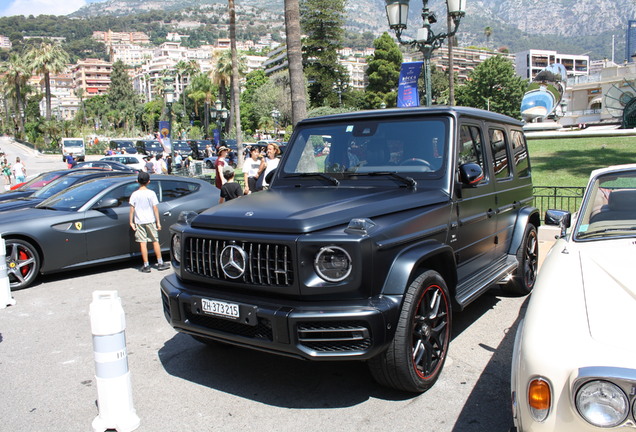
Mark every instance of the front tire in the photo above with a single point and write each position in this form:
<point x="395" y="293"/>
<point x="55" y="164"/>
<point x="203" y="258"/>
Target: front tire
<point x="415" y="358"/>
<point x="525" y="275"/>
<point x="23" y="263"/>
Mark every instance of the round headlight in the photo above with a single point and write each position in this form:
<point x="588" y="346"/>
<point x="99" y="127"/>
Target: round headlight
<point x="332" y="263"/>
<point x="176" y="248"/>
<point x="602" y="403"/>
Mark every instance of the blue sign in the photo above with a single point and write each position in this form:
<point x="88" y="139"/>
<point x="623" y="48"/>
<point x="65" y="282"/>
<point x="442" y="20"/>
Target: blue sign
<point x="408" y="95"/>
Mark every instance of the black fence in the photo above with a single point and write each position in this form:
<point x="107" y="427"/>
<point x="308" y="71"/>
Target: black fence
<point x="557" y="197"/>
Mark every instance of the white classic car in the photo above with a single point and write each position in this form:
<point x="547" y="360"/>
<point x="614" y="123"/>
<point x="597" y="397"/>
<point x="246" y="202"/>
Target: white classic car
<point x="573" y="365"/>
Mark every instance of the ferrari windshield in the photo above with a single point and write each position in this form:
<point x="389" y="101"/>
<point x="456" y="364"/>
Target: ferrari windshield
<point x="74" y="197"/>
<point x="609" y="209"/>
<point x="359" y="147"/>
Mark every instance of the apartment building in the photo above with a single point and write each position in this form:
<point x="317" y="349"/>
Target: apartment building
<point x="529" y="63"/>
<point x="112" y="38"/>
<point x="92" y="76"/>
<point x="5" y="43"/>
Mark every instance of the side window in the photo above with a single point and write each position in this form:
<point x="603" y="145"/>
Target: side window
<point x="122" y="193"/>
<point x="520" y="154"/>
<point x="499" y="150"/>
<point x="471" y="149"/>
<point x="173" y="189"/>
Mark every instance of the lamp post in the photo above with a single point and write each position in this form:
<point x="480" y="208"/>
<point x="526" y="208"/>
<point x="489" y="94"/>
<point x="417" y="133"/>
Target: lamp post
<point x="426" y="41"/>
<point x="275" y="115"/>
<point x="220" y="114"/>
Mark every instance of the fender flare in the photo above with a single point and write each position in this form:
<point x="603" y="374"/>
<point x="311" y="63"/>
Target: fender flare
<point x="440" y="257"/>
<point x="526" y="215"/>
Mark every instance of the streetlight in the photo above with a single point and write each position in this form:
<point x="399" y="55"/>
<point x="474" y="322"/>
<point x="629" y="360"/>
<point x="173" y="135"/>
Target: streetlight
<point x="221" y="115"/>
<point x="426" y="41"/>
<point x="276" y="115"/>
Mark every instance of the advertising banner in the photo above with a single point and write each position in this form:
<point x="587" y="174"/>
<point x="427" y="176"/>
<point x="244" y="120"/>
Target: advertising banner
<point x="408" y="95"/>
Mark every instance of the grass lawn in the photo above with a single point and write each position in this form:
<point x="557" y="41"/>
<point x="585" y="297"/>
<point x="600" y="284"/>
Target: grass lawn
<point x="568" y="162"/>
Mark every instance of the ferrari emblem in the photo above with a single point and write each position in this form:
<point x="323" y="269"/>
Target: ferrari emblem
<point x="78" y="226"/>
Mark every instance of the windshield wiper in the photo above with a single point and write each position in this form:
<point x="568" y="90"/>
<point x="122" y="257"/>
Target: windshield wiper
<point x="604" y="231"/>
<point x="331" y="179"/>
<point x="409" y="181"/>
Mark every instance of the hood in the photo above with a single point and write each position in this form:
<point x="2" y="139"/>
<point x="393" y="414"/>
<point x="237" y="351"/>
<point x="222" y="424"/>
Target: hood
<point x="18" y="203"/>
<point x="609" y="278"/>
<point x="302" y="210"/>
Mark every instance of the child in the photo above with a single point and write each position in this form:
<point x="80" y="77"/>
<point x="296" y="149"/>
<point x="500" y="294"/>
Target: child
<point x="230" y="188"/>
<point x="145" y="222"/>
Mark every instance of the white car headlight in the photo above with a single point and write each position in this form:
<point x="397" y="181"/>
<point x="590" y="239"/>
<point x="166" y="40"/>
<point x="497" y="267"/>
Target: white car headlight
<point x="333" y="263"/>
<point x="176" y="247"/>
<point x="602" y="403"/>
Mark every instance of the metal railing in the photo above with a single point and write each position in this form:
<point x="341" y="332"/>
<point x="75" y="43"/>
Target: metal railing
<point x="557" y="197"/>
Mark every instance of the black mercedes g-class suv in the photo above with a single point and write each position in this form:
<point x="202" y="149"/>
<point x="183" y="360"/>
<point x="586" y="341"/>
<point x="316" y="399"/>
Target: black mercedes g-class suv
<point x="376" y="226"/>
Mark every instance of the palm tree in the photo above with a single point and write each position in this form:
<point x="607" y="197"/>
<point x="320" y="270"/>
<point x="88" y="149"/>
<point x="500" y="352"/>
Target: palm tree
<point x="202" y="91"/>
<point x="16" y="75"/>
<point x="488" y="33"/>
<point x="222" y="73"/>
<point x="186" y="69"/>
<point x="236" y="92"/>
<point x="294" y="56"/>
<point x="46" y="59"/>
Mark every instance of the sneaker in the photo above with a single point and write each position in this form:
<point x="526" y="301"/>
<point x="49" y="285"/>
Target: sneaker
<point x="162" y="266"/>
<point x="145" y="269"/>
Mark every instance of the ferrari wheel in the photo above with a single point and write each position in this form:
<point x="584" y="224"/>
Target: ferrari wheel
<point x="414" y="360"/>
<point x="23" y="263"/>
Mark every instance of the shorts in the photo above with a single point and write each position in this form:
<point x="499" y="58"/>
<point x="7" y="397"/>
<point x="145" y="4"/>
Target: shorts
<point x="146" y="233"/>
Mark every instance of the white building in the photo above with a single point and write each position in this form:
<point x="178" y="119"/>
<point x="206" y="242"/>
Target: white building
<point x="529" y="63"/>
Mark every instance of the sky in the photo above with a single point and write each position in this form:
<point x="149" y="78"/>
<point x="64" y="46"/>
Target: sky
<point x="37" y="7"/>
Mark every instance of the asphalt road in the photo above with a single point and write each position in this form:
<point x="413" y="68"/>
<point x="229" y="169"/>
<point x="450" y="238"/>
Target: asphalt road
<point x="47" y="371"/>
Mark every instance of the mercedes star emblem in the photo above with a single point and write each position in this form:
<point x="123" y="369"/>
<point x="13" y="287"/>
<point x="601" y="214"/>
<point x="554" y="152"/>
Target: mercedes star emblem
<point x="233" y="261"/>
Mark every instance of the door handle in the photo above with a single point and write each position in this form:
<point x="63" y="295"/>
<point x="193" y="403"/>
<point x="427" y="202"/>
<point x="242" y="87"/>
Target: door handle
<point x="167" y="213"/>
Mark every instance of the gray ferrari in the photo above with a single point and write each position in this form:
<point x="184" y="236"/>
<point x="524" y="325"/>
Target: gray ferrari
<point x="87" y="224"/>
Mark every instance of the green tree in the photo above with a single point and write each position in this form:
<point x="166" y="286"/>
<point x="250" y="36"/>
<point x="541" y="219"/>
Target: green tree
<point x="493" y="85"/>
<point x="488" y="33"/>
<point x="15" y="74"/>
<point x="47" y="59"/>
<point x="383" y="71"/>
<point x="323" y="23"/>
<point x="121" y="96"/>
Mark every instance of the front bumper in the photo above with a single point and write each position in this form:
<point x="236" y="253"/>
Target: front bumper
<point x="316" y="331"/>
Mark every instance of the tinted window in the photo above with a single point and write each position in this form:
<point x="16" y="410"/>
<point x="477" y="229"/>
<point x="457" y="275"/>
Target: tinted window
<point x="172" y="189"/>
<point x="123" y="192"/>
<point x="471" y="149"/>
<point x="499" y="148"/>
<point x="520" y="154"/>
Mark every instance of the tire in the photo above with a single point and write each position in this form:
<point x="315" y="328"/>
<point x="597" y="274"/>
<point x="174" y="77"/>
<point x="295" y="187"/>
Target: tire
<point x="209" y="164"/>
<point x="525" y="276"/>
<point x="415" y="358"/>
<point x="23" y="263"/>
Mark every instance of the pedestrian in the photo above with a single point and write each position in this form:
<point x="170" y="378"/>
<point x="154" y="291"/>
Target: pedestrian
<point x="250" y="169"/>
<point x="268" y="164"/>
<point x="178" y="161"/>
<point x="19" y="171"/>
<point x="6" y="172"/>
<point x="70" y="161"/>
<point x="219" y="180"/>
<point x="230" y="188"/>
<point x="208" y="151"/>
<point x="160" y="164"/>
<point x="145" y="222"/>
<point x="149" y="167"/>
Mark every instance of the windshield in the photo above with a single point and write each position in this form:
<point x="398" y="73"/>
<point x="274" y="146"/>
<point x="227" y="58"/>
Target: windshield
<point x="609" y="209"/>
<point x="74" y="197"/>
<point x="415" y="146"/>
<point x="39" y="181"/>
<point x="58" y="185"/>
<point x="74" y="143"/>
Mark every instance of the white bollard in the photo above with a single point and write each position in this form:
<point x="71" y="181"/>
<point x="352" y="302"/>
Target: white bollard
<point x="114" y="390"/>
<point x="5" y="285"/>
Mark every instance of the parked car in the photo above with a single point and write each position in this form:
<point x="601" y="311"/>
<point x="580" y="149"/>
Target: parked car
<point x="88" y="224"/>
<point x="363" y="254"/>
<point x="181" y="147"/>
<point x="573" y="367"/>
<point x="135" y="161"/>
<point x="149" y="147"/>
<point x="29" y="187"/>
<point x="106" y="165"/>
<point x="58" y="185"/>
<point x="126" y="145"/>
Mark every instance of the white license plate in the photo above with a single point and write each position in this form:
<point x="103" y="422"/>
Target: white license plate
<point x="216" y="307"/>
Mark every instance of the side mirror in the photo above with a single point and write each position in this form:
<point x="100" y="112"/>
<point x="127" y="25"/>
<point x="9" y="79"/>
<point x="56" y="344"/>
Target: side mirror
<point x="470" y="174"/>
<point x="106" y="203"/>
<point x="560" y="218"/>
<point x="269" y="176"/>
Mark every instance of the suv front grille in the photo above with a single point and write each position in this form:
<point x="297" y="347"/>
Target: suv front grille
<point x="266" y="264"/>
<point x="334" y="336"/>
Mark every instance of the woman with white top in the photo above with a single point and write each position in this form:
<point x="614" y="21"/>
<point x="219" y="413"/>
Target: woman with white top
<point x="269" y="163"/>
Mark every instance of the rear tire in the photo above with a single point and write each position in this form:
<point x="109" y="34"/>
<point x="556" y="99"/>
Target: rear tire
<point x="415" y="358"/>
<point x="525" y="275"/>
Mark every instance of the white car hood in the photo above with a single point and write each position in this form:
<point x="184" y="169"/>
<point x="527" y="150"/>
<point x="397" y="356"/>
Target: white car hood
<point x="609" y="283"/>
